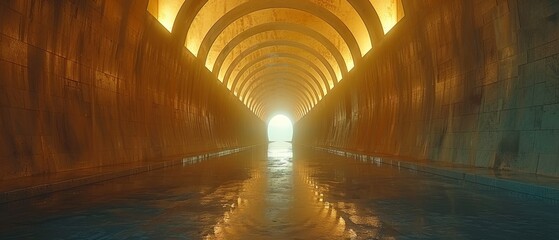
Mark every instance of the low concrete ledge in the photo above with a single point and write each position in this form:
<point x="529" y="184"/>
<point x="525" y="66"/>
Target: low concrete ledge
<point x="530" y="184"/>
<point x="88" y="177"/>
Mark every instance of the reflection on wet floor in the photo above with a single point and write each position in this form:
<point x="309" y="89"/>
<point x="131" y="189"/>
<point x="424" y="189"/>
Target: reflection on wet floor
<point x="280" y="193"/>
<point x="280" y="204"/>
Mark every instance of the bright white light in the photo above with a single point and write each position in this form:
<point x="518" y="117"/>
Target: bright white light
<point x="280" y="151"/>
<point x="280" y="128"/>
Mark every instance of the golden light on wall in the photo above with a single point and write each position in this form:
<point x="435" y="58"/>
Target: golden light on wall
<point x="389" y="11"/>
<point x="310" y="44"/>
<point x="165" y="11"/>
<point x="281" y="38"/>
<point x="279" y="15"/>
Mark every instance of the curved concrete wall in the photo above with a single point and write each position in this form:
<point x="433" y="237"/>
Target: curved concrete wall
<point x="469" y="82"/>
<point x="97" y="83"/>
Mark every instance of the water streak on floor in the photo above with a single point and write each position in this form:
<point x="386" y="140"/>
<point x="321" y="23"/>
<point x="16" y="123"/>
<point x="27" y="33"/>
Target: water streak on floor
<point x="281" y="193"/>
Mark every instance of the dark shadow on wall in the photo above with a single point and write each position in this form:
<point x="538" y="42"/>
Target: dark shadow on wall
<point x="96" y="83"/>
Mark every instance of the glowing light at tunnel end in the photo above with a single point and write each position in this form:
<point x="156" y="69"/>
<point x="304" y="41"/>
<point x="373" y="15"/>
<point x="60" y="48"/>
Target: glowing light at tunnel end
<point x="280" y="128"/>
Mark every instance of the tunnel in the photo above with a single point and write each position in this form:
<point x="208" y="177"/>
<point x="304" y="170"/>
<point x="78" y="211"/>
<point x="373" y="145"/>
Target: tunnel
<point x="279" y="119"/>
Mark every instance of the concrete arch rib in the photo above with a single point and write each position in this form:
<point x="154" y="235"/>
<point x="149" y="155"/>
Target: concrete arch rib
<point x="279" y="59"/>
<point x="371" y="19"/>
<point x="188" y="11"/>
<point x="288" y="100"/>
<point x="274" y="56"/>
<point x="325" y="65"/>
<point x="278" y="86"/>
<point x="277" y="26"/>
<point x="281" y="72"/>
<point x="271" y="59"/>
<point x="301" y="101"/>
<point x="291" y="79"/>
<point x="265" y="107"/>
<point x="287" y="79"/>
<point x="275" y="86"/>
<point x="270" y="94"/>
<point x="296" y="74"/>
<point x="253" y="6"/>
<point x="266" y="93"/>
<point x="273" y="74"/>
<point x="282" y="67"/>
<point x="281" y="15"/>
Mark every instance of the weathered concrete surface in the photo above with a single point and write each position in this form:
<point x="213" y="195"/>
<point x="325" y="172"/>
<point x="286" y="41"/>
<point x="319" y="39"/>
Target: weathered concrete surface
<point x="96" y="83"/>
<point x="469" y="82"/>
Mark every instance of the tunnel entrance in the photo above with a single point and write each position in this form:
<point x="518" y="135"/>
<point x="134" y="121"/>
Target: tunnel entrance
<point x="280" y="129"/>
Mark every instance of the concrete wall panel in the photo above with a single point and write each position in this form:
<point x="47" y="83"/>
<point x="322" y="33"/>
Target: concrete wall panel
<point x="96" y="83"/>
<point x="469" y="82"/>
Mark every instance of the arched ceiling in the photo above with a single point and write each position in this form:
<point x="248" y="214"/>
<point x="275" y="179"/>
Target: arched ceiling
<point x="278" y="55"/>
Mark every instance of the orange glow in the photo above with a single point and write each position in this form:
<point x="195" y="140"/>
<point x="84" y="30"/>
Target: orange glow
<point x="284" y="36"/>
<point x="389" y="12"/>
<point x="282" y="15"/>
<point x="165" y="11"/>
<point x="314" y="44"/>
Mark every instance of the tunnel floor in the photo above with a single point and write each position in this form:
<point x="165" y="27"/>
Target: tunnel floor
<point x="278" y="193"/>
